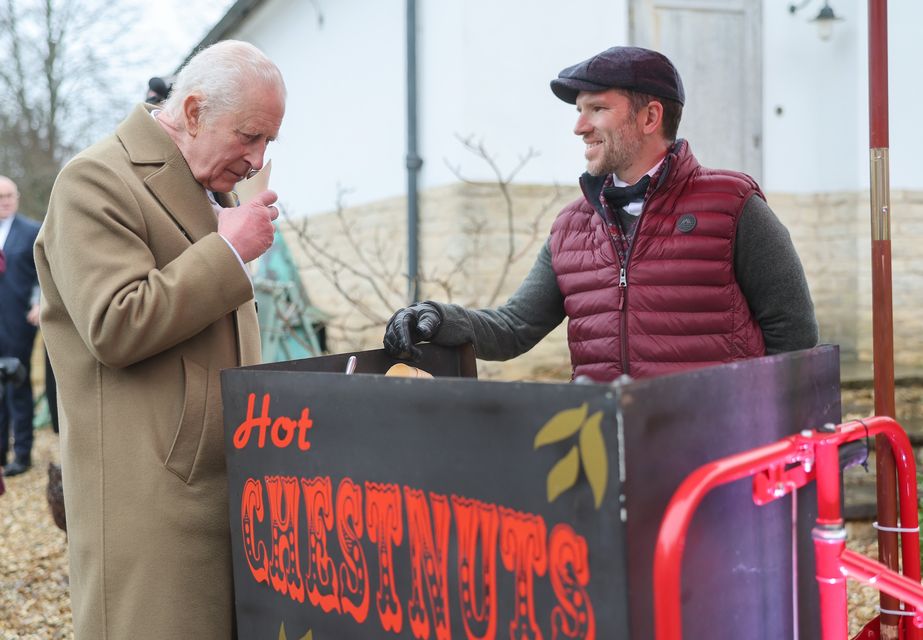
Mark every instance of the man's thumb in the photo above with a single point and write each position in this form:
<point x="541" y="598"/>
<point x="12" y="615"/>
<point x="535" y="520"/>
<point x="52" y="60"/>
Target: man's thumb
<point x="266" y="198"/>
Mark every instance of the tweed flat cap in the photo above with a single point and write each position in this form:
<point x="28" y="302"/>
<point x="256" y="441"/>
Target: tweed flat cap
<point x="630" y="68"/>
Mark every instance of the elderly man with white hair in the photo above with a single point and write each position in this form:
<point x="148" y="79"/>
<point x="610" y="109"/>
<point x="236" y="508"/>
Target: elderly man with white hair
<point x="146" y="298"/>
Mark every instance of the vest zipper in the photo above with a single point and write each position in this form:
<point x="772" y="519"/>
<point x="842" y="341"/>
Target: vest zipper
<point x="623" y="268"/>
<point x="623" y="294"/>
<point x="623" y="284"/>
<point x="623" y="315"/>
<point x="623" y="291"/>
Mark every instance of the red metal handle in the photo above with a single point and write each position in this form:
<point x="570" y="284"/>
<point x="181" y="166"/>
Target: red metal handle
<point x="815" y="454"/>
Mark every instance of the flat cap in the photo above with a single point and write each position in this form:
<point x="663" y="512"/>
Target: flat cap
<point x="630" y="68"/>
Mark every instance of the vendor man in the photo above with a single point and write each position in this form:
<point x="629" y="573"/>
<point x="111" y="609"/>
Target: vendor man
<point x="662" y="266"/>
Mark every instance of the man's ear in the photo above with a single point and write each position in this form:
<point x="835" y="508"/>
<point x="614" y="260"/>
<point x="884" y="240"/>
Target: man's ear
<point x="192" y="114"/>
<point x="652" y="117"/>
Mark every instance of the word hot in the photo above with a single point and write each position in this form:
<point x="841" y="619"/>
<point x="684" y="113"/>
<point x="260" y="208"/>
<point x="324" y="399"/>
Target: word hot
<point x="282" y="431"/>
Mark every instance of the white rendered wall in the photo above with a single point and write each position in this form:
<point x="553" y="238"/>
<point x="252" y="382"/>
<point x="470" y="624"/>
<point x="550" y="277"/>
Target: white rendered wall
<point x="484" y="68"/>
<point x="483" y="71"/>
<point x="905" y="22"/>
<point x="820" y="141"/>
<point x="344" y="121"/>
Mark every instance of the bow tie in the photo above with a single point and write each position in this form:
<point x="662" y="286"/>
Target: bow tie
<point x="618" y="197"/>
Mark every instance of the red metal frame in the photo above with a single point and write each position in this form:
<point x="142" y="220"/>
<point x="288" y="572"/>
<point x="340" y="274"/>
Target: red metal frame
<point x="778" y="469"/>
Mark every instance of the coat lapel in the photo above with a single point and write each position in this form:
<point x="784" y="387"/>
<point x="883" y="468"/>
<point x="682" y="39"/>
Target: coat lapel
<point x="12" y="235"/>
<point x="170" y="180"/>
<point x="18" y="238"/>
<point x="172" y="183"/>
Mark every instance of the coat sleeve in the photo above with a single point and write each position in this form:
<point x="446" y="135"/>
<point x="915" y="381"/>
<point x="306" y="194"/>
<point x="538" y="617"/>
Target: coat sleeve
<point x="125" y="307"/>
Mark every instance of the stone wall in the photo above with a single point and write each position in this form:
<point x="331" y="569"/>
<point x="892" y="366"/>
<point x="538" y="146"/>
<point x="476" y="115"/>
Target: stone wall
<point x="353" y="264"/>
<point x="832" y="233"/>
<point x="907" y="278"/>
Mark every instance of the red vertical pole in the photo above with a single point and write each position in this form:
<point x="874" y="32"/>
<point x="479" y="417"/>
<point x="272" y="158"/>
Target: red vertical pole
<point x="882" y="321"/>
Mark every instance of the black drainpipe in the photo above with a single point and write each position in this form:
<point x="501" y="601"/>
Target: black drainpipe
<point x="414" y="161"/>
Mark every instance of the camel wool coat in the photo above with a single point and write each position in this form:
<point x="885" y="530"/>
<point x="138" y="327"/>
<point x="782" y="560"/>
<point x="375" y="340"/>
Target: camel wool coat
<point x="143" y="304"/>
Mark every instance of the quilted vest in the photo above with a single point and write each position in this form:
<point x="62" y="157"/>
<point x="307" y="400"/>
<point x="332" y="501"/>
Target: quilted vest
<point x="676" y="305"/>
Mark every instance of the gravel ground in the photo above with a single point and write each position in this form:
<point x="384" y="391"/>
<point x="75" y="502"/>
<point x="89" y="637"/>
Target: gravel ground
<point x="34" y="602"/>
<point x="862" y="599"/>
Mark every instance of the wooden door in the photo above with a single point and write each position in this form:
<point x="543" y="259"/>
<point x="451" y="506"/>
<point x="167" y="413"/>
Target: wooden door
<point x="717" y="47"/>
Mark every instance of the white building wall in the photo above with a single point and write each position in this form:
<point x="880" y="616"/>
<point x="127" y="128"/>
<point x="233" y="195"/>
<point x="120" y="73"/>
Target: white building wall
<point x="811" y="108"/>
<point x="820" y="140"/>
<point x="905" y="22"/>
<point x="345" y="124"/>
<point x="484" y="68"/>
<point x="344" y="129"/>
<point x="504" y="56"/>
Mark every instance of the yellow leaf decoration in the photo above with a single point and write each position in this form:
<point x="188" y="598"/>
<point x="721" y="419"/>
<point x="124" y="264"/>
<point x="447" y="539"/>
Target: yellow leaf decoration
<point x="564" y="474"/>
<point x="593" y="455"/>
<point x="562" y="426"/>
<point x="590" y="452"/>
<point x="308" y="636"/>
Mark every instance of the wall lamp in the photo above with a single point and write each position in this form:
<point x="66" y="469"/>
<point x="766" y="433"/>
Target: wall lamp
<point x="825" y="19"/>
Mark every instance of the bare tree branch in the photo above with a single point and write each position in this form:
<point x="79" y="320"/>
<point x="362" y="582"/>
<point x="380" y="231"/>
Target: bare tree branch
<point x="369" y="277"/>
<point x="503" y="184"/>
<point x="333" y="265"/>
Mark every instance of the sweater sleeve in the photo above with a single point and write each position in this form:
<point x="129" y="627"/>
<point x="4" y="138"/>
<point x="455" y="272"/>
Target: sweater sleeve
<point x="772" y="279"/>
<point x="534" y="309"/>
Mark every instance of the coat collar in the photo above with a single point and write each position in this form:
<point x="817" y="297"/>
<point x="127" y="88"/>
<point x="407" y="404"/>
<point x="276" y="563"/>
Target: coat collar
<point x="170" y="179"/>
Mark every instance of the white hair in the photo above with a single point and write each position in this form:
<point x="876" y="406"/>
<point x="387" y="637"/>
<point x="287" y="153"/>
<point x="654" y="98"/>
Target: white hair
<point x="218" y="75"/>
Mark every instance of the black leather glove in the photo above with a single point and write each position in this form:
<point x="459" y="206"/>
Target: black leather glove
<point x="408" y="326"/>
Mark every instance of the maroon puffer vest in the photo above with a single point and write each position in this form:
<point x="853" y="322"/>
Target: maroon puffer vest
<point x="680" y="306"/>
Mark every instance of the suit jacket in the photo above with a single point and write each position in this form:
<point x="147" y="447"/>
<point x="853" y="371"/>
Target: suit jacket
<point x="17" y="286"/>
<point x="143" y="305"/>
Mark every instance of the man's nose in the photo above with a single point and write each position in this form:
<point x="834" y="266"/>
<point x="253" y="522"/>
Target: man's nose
<point x="255" y="154"/>
<point x="582" y="126"/>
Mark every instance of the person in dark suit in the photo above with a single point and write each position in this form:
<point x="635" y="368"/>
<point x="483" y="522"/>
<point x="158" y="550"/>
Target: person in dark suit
<point x="18" y="320"/>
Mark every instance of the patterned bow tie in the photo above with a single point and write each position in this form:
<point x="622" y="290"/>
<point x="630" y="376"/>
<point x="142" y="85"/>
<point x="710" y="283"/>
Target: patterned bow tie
<point x="618" y="197"/>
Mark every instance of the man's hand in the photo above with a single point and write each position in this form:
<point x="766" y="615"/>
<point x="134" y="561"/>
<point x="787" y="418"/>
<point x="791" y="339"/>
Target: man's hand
<point x="409" y="326"/>
<point x="34" y="314"/>
<point x="248" y="228"/>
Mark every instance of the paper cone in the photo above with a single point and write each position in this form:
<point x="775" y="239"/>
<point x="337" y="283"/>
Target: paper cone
<point x="256" y="184"/>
